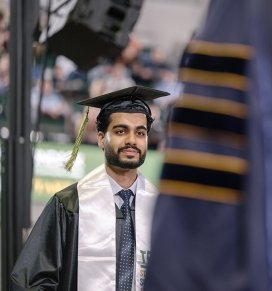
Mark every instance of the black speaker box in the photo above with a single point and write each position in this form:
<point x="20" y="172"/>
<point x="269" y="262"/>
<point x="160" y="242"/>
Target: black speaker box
<point x="92" y="29"/>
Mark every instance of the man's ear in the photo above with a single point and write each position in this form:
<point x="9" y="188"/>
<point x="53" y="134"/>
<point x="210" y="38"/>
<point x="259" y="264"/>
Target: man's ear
<point x="100" y="139"/>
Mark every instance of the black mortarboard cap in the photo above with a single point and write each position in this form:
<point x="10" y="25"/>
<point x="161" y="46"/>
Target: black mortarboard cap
<point x="143" y="93"/>
<point x="132" y="99"/>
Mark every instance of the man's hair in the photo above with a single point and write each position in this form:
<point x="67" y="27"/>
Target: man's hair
<point x="126" y="104"/>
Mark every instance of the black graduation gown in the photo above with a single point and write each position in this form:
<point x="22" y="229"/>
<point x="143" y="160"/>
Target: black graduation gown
<point x="48" y="260"/>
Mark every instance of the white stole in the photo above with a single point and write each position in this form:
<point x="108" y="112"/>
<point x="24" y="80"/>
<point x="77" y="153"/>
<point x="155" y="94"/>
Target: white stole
<point x="97" y="231"/>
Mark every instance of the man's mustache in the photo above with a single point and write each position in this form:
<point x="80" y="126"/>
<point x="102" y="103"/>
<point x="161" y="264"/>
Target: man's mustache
<point x="129" y="147"/>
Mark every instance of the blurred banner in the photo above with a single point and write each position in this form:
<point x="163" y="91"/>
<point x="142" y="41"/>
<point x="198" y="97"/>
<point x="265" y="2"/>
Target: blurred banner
<point x="211" y="228"/>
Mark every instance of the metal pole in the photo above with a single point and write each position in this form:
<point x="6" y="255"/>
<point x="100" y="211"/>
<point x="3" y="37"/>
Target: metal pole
<point x="17" y="165"/>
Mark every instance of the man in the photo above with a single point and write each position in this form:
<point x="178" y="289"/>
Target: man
<point x="87" y="238"/>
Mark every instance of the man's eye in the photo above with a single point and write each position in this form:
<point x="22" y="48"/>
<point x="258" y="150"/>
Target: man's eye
<point x="119" y="131"/>
<point x="141" y="133"/>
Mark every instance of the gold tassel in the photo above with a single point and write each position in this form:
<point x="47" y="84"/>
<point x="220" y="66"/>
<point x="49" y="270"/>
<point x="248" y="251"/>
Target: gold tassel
<point x="70" y="163"/>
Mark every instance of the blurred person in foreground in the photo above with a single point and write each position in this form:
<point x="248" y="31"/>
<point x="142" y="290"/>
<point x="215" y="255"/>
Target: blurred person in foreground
<point x="94" y="235"/>
<point x="212" y="222"/>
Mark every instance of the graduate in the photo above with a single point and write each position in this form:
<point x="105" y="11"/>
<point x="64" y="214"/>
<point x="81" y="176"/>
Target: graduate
<point x="95" y="234"/>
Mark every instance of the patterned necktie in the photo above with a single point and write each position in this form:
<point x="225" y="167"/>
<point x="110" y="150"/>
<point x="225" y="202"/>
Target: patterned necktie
<point x="126" y="260"/>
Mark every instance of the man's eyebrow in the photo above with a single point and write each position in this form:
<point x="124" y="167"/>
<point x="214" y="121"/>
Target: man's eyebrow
<point x="142" y="127"/>
<point x="126" y="126"/>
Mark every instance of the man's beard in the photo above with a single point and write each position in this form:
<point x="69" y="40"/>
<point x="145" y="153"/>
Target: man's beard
<point x="113" y="158"/>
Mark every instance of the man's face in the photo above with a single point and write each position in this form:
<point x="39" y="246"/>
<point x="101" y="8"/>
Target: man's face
<point x="125" y="142"/>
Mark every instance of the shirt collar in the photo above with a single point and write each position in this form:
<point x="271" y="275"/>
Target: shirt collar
<point x="116" y="187"/>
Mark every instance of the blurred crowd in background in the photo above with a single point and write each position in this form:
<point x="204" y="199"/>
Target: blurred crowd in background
<point x="60" y="84"/>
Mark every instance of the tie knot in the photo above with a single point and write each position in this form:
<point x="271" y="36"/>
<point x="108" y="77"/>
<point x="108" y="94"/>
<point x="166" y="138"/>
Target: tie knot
<point x="125" y="195"/>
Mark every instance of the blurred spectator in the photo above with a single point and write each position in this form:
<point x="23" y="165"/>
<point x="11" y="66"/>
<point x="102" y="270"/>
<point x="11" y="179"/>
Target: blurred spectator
<point x="62" y="69"/>
<point x="4" y="72"/>
<point x="4" y="62"/>
<point x="144" y="68"/>
<point x="4" y="32"/>
<point x="77" y="82"/>
<point x="98" y="71"/>
<point x="4" y="86"/>
<point x="167" y="80"/>
<point x="115" y="78"/>
<point x="54" y="108"/>
<point x="132" y="50"/>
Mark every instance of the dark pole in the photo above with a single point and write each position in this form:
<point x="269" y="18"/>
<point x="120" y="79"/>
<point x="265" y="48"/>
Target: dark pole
<point x="17" y="154"/>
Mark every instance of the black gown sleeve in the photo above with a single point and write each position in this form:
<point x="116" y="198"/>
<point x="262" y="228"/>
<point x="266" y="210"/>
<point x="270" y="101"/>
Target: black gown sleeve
<point x="48" y="260"/>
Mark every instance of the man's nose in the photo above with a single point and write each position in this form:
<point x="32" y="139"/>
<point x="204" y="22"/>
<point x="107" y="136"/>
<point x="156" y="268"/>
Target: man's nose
<point x="131" y="138"/>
